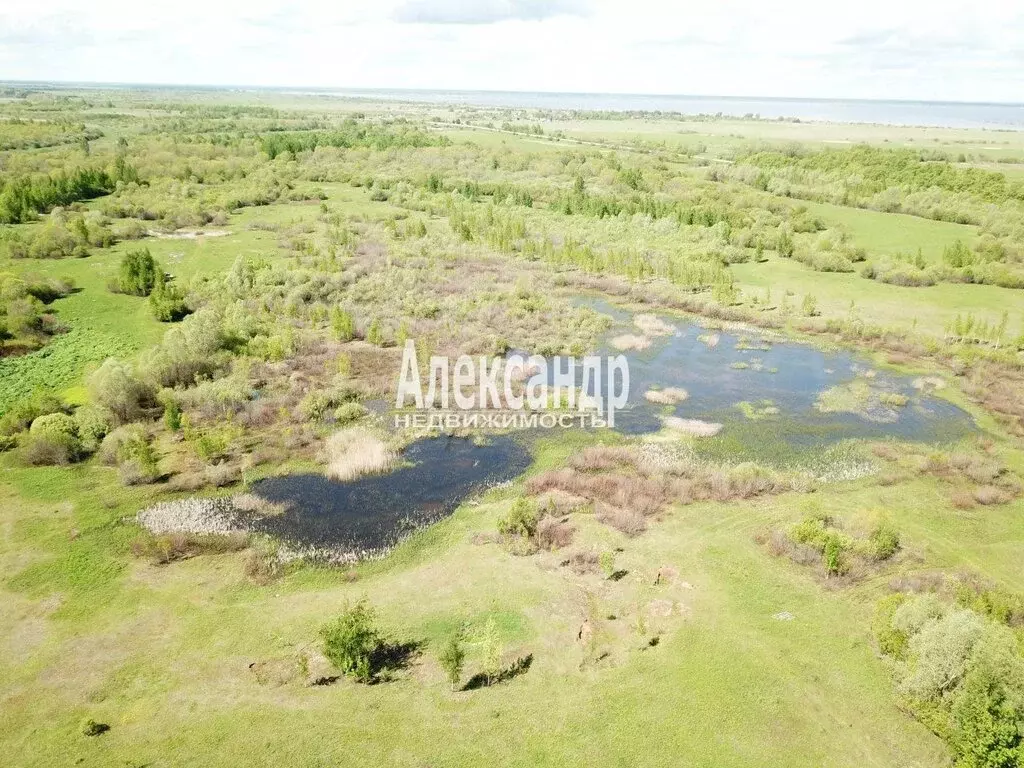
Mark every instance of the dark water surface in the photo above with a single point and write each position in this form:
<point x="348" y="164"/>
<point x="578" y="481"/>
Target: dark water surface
<point x="789" y="374"/>
<point x="368" y="515"/>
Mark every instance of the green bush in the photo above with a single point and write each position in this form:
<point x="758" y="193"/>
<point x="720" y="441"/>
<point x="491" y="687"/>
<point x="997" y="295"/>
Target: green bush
<point x="90" y="727"/>
<point x="351" y="640"/>
<point x="24" y="412"/>
<point x="833" y="555"/>
<point x="52" y="440"/>
<point x="138" y="273"/>
<point x="92" y="426"/>
<point x="988" y="708"/>
<point x="452" y="658"/>
<point x="53" y="425"/>
<point x="167" y="300"/>
<point x="521" y="520"/>
<point x="891" y="641"/>
<point x="115" y="387"/>
<point x="342" y="325"/>
<point x="137" y="460"/>
<point x="884" y="542"/>
<point x="348" y="413"/>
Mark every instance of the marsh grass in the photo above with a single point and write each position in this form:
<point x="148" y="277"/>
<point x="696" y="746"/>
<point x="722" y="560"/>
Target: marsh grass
<point x="356" y="452"/>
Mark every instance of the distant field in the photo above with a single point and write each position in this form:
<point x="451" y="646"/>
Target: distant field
<point x="891" y="233"/>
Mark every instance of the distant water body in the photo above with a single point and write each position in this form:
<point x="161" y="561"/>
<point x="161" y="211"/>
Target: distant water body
<point x="927" y="113"/>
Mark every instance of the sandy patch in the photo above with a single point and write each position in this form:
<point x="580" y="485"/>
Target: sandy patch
<point x="188" y="234"/>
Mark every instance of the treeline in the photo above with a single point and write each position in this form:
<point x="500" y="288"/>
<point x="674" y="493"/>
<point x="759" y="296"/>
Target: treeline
<point x="351" y="135"/>
<point x="21" y="199"/>
<point x="869" y="170"/>
<point x="32" y="134"/>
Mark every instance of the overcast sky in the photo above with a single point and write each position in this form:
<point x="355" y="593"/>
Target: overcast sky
<point x="899" y="49"/>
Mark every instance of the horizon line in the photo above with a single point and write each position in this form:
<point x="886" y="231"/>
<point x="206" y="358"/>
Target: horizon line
<point x="90" y="84"/>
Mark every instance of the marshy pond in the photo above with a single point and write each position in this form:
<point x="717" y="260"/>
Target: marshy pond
<point x="766" y="398"/>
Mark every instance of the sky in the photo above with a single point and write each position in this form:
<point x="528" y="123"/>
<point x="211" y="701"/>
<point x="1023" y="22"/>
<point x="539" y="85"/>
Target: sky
<point x="951" y="50"/>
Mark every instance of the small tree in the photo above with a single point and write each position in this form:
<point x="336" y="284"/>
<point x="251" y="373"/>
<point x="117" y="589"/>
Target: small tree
<point x="342" y="325"/>
<point x="115" y="386"/>
<point x="452" y="658"/>
<point x="351" y="640"/>
<point x="521" y="520"/>
<point x="491" y="650"/>
<point x="374" y="334"/>
<point x="138" y="273"/>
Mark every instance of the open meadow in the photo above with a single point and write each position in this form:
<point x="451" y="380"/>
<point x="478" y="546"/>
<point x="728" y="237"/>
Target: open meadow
<point x="802" y="546"/>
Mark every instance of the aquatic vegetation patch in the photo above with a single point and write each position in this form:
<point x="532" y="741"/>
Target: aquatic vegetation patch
<point x="758" y="410"/>
<point x="666" y="396"/>
<point x="353" y="452"/>
<point x="630" y="342"/>
<point x="860" y="398"/>
<point x="652" y="325"/>
<point x="694" y="427"/>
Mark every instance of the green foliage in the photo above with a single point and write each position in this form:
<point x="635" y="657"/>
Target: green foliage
<point x="988" y="708"/>
<point x="20" y="415"/>
<point x="374" y="334"/>
<point x="347" y="413"/>
<point x="342" y="325"/>
<point x="521" y="520"/>
<point x="172" y="415"/>
<point x="115" y="387"/>
<point x="351" y="134"/>
<point x="351" y="641"/>
<point x="137" y="460"/>
<point x="91" y="425"/>
<point x="963" y="674"/>
<point x="452" y="658"/>
<point x="884" y="541"/>
<point x="167" y="300"/>
<point x="606" y="560"/>
<point x="90" y="727"/>
<point x="491" y="649"/>
<point x="54" y="425"/>
<point x="892" y="641"/>
<point x="138" y="273"/>
<point x="52" y="439"/>
<point x="833" y="556"/>
<point x="23" y="197"/>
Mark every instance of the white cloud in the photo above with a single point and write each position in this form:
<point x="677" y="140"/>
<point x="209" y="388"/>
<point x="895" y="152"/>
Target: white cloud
<point x="484" y="11"/>
<point x="937" y="49"/>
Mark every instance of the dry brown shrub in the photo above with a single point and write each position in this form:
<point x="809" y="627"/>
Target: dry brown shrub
<point x="600" y="457"/>
<point x="962" y="499"/>
<point x="990" y="494"/>
<point x="627" y="521"/>
<point x="886" y="451"/>
<point x="221" y="475"/>
<point x="584" y="561"/>
<point x="553" y="533"/>
<point x="187" y="481"/>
